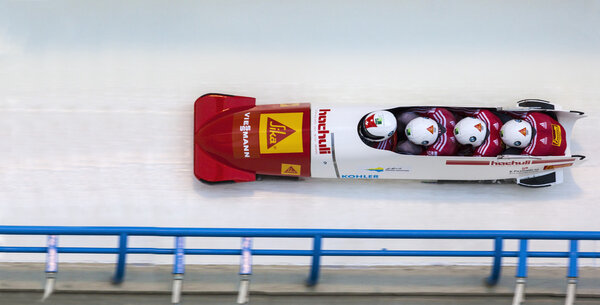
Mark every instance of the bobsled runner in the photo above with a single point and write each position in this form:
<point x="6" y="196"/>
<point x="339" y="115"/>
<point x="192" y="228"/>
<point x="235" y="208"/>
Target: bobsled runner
<point x="236" y="140"/>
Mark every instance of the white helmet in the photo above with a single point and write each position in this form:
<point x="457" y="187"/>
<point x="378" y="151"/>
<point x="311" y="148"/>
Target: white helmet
<point x="471" y="131"/>
<point x="422" y="131"/>
<point x="516" y="133"/>
<point x="379" y="125"/>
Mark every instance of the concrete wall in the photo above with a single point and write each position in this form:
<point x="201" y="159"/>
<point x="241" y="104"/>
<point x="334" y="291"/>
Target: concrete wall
<point x="96" y="113"/>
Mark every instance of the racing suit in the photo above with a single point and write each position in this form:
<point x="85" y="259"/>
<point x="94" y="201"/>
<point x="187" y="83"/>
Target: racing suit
<point x="550" y="138"/>
<point x="387" y="144"/>
<point x="492" y="145"/>
<point x="446" y="144"/>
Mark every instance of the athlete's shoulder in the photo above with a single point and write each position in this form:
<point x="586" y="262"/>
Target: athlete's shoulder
<point x="541" y="120"/>
<point x="492" y="121"/>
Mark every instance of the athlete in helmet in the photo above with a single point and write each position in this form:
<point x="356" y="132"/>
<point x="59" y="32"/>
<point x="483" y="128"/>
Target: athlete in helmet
<point x="516" y="133"/>
<point x="428" y="131"/>
<point x="479" y="131"/>
<point x="538" y="134"/>
<point x="378" y="129"/>
<point x="422" y="131"/>
<point x="470" y="131"/>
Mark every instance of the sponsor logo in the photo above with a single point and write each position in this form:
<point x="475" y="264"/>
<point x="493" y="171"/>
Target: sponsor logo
<point x="360" y="176"/>
<point x="524" y="170"/>
<point x="244" y="129"/>
<point x="244" y="141"/>
<point x="388" y="169"/>
<point x="281" y="133"/>
<point x="277" y="132"/>
<point x="492" y="163"/>
<point x="479" y="127"/>
<point x="322" y="132"/>
<point x="290" y="169"/>
<point x="397" y="169"/>
<point x="556" y="135"/>
<point x="510" y="163"/>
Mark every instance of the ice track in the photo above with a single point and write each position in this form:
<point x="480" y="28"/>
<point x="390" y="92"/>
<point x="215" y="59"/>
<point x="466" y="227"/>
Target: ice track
<point x="96" y="113"/>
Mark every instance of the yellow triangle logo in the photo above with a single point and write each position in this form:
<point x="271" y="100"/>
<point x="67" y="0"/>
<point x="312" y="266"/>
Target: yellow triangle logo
<point x="290" y="169"/>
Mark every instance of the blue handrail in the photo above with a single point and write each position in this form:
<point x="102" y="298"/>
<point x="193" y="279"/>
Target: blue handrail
<point x="306" y="233"/>
<point x="572" y="253"/>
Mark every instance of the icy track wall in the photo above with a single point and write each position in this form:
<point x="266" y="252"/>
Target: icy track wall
<point x="96" y="104"/>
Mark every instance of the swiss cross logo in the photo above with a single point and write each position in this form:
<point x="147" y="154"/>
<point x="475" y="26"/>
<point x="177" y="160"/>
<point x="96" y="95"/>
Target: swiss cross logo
<point x="277" y="132"/>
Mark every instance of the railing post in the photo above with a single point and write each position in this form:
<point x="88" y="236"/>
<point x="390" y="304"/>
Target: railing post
<point x="572" y="273"/>
<point x="51" y="265"/>
<point x="519" y="296"/>
<point x="492" y="280"/>
<point x="245" y="270"/>
<point x="121" y="260"/>
<point x="313" y="279"/>
<point x="178" y="269"/>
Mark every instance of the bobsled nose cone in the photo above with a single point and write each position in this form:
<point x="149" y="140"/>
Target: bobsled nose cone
<point x="213" y="141"/>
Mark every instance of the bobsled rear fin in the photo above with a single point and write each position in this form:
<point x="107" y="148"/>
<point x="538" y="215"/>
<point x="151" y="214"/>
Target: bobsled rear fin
<point x="212" y="104"/>
<point x="208" y="169"/>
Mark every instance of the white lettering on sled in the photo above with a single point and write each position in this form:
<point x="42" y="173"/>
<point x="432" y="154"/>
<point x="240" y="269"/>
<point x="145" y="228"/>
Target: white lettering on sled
<point x="245" y="128"/>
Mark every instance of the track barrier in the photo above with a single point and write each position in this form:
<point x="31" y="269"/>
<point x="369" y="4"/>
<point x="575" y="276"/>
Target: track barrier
<point x="245" y="270"/>
<point x="51" y="265"/>
<point x="246" y="251"/>
<point x="178" y="269"/>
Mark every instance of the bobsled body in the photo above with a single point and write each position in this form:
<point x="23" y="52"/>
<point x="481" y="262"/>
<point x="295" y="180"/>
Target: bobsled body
<point x="235" y="140"/>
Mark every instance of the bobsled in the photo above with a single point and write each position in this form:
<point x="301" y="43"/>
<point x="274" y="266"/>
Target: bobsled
<point x="237" y="140"/>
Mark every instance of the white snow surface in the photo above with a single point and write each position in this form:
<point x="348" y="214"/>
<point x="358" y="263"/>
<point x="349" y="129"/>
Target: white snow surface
<point x="96" y="115"/>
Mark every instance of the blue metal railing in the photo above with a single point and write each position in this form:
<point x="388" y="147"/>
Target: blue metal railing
<point x="497" y="253"/>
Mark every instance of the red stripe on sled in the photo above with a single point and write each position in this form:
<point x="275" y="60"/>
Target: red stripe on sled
<point x="460" y="162"/>
<point x="551" y="161"/>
